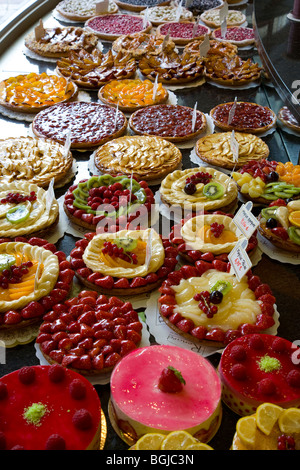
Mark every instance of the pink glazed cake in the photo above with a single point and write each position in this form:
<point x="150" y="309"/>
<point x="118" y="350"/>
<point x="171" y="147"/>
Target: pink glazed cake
<point x="138" y="405"/>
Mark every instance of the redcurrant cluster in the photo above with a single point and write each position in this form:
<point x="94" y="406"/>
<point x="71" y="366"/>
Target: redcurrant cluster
<point x="199" y="177"/>
<point x="204" y="299"/>
<point x="115" y="251"/>
<point x="17" y="198"/>
<point x="216" y="229"/>
<point x="14" y="274"/>
<point x="285" y="442"/>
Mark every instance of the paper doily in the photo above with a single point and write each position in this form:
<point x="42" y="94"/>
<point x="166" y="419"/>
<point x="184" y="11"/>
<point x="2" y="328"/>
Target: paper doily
<point x="229" y="87"/>
<point x="276" y="253"/>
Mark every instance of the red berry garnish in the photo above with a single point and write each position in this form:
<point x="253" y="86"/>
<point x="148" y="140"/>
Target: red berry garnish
<point x="55" y="442"/>
<point x="238" y="353"/>
<point x="267" y="387"/>
<point x="26" y="375"/>
<point x="285" y="442"/>
<point x="77" y="389"/>
<point x="239" y="372"/>
<point x="56" y="373"/>
<point x="293" y="378"/>
<point x="82" y="419"/>
<point x="216" y="229"/>
<point x="171" y="380"/>
<point x="3" y="391"/>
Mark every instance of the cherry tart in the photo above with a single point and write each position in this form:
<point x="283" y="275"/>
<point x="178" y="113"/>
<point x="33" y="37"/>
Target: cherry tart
<point x="287" y="118"/>
<point x="237" y="35"/>
<point x="116" y="201"/>
<point x="233" y="71"/>
<point x="90" y="333"/>
<point x="206" y="304"/>
<point x="182" y="33"/>
<point x="123" y="263"/>
<point x="110" y="27"/>
<point x="34" y="277"/>
<point x="75" y="10"/>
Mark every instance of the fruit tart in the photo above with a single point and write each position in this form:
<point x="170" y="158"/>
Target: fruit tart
<point x="89" y="334"/>
<point x="206" y="303"/>
<point x="138" y="44"/>
<point x="140" y="5"/>
<point x="175" y="440"/>
<point x="197" y="7"/>
<point x="198" y="189"/>
<point x="182" y="33"/>
<point x="216" y="149"/>
<point x="33" y="160"/>
<point x="49" y="408"/>
<point x="172" y="122"/>
<point x="110" y="27"/>
<point x="237" y="35"/>
<point x="26" y="210"/>
<point x="123" y="263"/>
<point x="217" y="48"/>
<point x="82" y="10"/>
<point x="231" y="71"/>
<point x="34" y="277"/>
<point x="33" y="92"/>
<point x="280" y="224"/>
<point x="87" y="124"/>
<point x="101" y="197"/>
<point x="259" y="368"/>
<point x="287" y="118"/>
<point x="59" y="41"/>
<point x="132" y="94"/>
<point x="212" y="18"/>
<point x="164" y="14"/>
<point x="93" y="69"/>
<point x="144" y="157"/>
<point x="247" y="117"/>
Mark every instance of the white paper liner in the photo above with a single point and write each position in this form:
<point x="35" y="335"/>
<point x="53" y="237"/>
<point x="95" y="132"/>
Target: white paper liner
<point x="290" y="16"/>
<point x="287" y="129"/>
<point x="229" y="87"/>
<point x="276" y="253"/>
<point x="263" y="134"/>
<point x="197" y="82"/>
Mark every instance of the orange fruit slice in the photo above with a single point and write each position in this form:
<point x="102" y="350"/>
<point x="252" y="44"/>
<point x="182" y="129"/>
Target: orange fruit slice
<point x="294" y="218"/>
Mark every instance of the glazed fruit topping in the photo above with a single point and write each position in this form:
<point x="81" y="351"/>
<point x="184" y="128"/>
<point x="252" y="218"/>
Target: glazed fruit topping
<point x="171" y="380"/>
<point x="216" y="229"/>
<point x="263" y="169"/>
<point x="17" y="198"/>
<point x="115" y="251"/>
<point x="200" y="177"/>
<point x="205" y="301"/>
<point x="14" y="274"/>
<point x="285" y="442"/>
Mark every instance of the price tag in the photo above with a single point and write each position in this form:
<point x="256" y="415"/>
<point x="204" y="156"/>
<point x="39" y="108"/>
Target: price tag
<point x="195" y="26"/>
<point x="232" y="111"/>
<point x="149" y="249"/>
<point x="50" y="195"/>
<point x="39" y="31"/>
<point x="223" y="12"/>
<point x="165" y="42"/>
<point x="204" y="46"/>
<point x="130" y="187"/>
<point x="234" y="147"/>
<point x="239" y="260"/>
<point x="179" y="11"/>
<point x="155" y="88"/>
<point x="194" y="117"/>
<point x="102" y="7"/>
<point x="145" y="18"/>
<point x="67" y="143"/>
<point x="223" y="28"/>
<point x="116" y="116"/>
<point x="245" y="221"/>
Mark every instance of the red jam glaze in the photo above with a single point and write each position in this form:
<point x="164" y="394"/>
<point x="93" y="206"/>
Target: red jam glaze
<point x="183" y="30"/>
<point x="235" y="34"/>
<point x="246" y="115"/>
<point x="117" y="24"/>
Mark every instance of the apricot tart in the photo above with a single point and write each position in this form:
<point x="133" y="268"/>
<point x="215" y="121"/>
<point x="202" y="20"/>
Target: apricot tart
<point x="163" y="14"/>
<point x="207" y="304"/>
<point x="172" y="122"/>
<point x="237" y="35"/>
<point x="33" y="160"/>
<point x="198" y="189"/>
<point x="146" y="158"/>
<point x="89" y="124"/>
<point x="259" y="368"/>
<point x="126" y="200"/>
<point x="127" y="262"/>
<point x="82" y="10"/>
<point x="49" y="408"/>
<point x="132" y="94"/>
<point x="32" y="92"/>
<point x="90" y="333"/>
<point x="212" y="18"/>
<point x="140" y="5"/>
<point x="286" y="117"/>
<point x="178" y="381"/>
<point x="138" y="44"/>
<point x="217" y="48"/>
<point x="110" y="27"/>
<point x="34" y="277"/>
<point x="216" y="149"/>
<point x="26" y="209"/>
<point x="231" y="71"/>
<point x="182" y="33"/>
<point x="246" y="117"/>
<point x="93" y="69"/>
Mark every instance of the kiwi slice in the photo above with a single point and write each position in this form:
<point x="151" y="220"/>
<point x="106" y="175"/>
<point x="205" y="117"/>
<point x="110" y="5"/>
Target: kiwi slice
<point x="6" y="261"/>
<point x="269" y="212"/>
<point x="17" y="214"/>
<point x="222" y="286"/>
<point x="294" y="234"/>
<point x="213" y="190"/>
<point x="128" y="244"/>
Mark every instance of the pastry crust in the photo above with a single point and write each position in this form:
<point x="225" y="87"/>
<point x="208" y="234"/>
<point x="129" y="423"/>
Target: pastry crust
<point x="138" y="44"/>
<point x="232" y="71"/>
<point x="286" y="117"/>
<point x="138" y="6"/>
<point x="217" y="48"/>
<point x="237" y="35"/>
<point x="212" y="18"/>
<point x="99" y="26"/>
<point x="164" y="14"/>
<point x="182" y="33"/>
<point x="75" y="10"/>
<point x="286" y="245"/>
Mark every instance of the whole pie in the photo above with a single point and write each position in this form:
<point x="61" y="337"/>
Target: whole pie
<point x="110" y="27"/>
<point x="199" y="6"/>
<point x="198" y="189"/>
<point x="138" y="44"/>
<point x="288" y="119"/>
<point x="146" y="158"/>
<point x="34" y="161"/>
<point x="212" y="18"/>
<point x="172" y="122"/>
<point x="89" y="124"/>
<point x="238" y="35"/>
<point x="123" y="263"/>
<point x="59" y="41"/>
<point x="33" y="92"/>
<point x="140" y="5"/>
<point x="93" y="69"/>
<point x="163" y="14"/>
<point x="216" y="149"/>
<point x="132" y="94"/>
<point x="231" y="71"/>
<point x="82" y="10"/>
<point x="125" y="201"/>
<point x="182" y="33"/>
<point x="217" y="48"/>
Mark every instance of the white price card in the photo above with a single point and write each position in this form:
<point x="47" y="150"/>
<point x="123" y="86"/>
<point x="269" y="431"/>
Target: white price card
<point x="245" y="221"/>
<point x="102" y="7"/>
<point x="194" y="117"/>
<point x="155" y="87"/>
<point x="223" y="11"/>
<point x="39" y="31"/>
<point x="149" y="249"/>
<point x="232" y="111"/>
<point x="50" y="195"/>
<point x="116" y="115"/>
<point x="239" y="260"/>
<point x="223" y="28"/>
<point x="179" y="11"/>
<point x="67" y="145"/>
<point x="204" y="46"/>
<point x="145" y="18"/>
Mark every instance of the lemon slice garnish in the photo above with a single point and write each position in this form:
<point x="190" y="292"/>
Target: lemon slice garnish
<point x="267" y="415"/>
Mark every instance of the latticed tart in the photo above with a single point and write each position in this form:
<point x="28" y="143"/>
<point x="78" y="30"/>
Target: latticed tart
<point x="198" y="189"/>
<point x="110" y="27"/>
<point x="126" y="201"/>
<point x="132" y="94"/>
<point x="288" y="119"/>
<point x="182" y="33"/>
<point x="49" y="408"/>
<point x="59" y="41"/>
<point x="34" y="161"/>
<point x="216" y="149"/>
<point x="212" y="18"/>
<point x="34" y="276"/>
<point x="94" y="69"/>
<point x="82" y="10"/>
<point x="217" y="48"/>
<point x="140" y="5"/>
<point x="206" y="303"/>
<point x="163" y="14"/>
<point x="90" y="333"/>
<point x="199" y="6"/>
<point x="138" y="44"/>
<point x="146" y="158"/>
<point x="87" y="124"/>
<point x="123" y="263"/>
<point x="32" y="92"/>
<point x="238" y="35"/>
<point x="26" y="209"/>
<point x="231" y="71"/>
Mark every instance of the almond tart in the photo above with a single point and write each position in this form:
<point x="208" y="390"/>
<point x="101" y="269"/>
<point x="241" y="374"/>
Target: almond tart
<point x="88" y="124"/>
<point x="35" y="276"/>
<point x="33" y="92"/>
<point x="212" y="18"/>
<point x="138" y="44"/>
<point x="182" y="32"/>
<point x="164" y="14"/>
<point x="144" y="157"/>
<point x="217" y="48"/>
<point x="82" y="10"/>
<point x="126" y="201"/>
<point x="172" y="122"/>
<point x="132" y="94"/>
<point x="90" y="333"/>
<point x="128" y="262"/>
<point x="231" y="71"/>
<point x="237" y="35"/>
<point x="110" y="27"/>
<point x="215" y="149"/>
<point x="140" y="5"/>
<point x="206" y="303"/>
<point x="288" y="119"/>
<point x="93" y="69"/>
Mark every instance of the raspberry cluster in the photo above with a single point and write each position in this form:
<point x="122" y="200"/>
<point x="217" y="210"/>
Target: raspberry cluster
<point x="17" y="198"/>
<point x="216" y="229"/>
<point x="14" y="274"/>
<point x="264" y="169"/>
<point x="113" y="250"/>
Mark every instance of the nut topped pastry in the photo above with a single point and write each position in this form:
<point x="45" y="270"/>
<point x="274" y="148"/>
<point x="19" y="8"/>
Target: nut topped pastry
<point x="217" y="48"/>
<point x="82" y="10"/>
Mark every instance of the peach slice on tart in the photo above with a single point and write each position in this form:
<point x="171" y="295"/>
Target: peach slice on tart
<point x="126" y="262"/>
<point x="89" y="333"/>
<point x="205" y="303"/>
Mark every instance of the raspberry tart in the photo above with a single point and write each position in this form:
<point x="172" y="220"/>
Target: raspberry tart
<point x="89" y="334"/>
<point x="49" y="408"/>
<point x="182" y="33"/>
<point x="286" y="117"/>
<point x="231" y="71"/>
<point x="126" y="199"/>
<point x="206" y="304"/>
<point x="178" y="381"/>
<point x="237" y="35"/>
<point x="82" y="10"/>
<point x="34" y="277"/>
<point x="259" y="368"/>
<point x="110" y="27"/>
<point x="124" y="263"/>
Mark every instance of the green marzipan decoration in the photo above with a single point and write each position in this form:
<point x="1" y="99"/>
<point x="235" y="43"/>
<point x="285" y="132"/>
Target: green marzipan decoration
<point x="269" y="364"/>
<point x="34" y="413"/>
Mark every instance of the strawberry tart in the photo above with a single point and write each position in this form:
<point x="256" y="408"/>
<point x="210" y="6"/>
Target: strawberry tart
<point x="183" y="385"/>
<point x="48" y="408"/>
